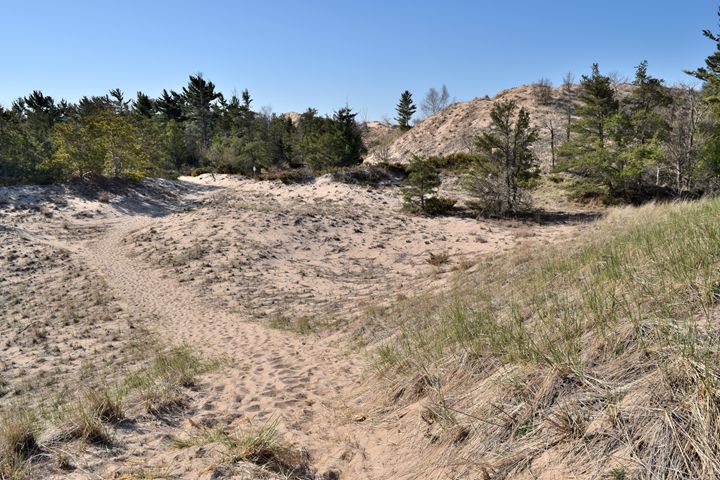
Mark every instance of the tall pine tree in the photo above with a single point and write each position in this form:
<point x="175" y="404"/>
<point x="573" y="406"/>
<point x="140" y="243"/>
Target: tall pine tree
<point x="405" y="110"/>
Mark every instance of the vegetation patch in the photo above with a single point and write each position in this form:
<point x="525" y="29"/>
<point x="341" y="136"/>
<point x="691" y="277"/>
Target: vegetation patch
<point x="262" y="446"/>
<point x="596" y="341"/>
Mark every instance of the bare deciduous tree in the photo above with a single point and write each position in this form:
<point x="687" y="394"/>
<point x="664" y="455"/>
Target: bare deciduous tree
<point x="435" y="102"/>
<point x="543" y="91"/>
<point x="685" y="116"/>
<point x="551" y="126"/>
<point x="568" y="101"/>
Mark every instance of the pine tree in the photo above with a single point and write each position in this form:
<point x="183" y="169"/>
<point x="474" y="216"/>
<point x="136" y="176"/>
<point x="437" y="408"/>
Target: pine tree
<point x="199" y="96"/>
<point x="645" y="104"/>
<point x="587" y="153"/>
<point x="420" y="185"/>
<point x="710" y="73"/>
<point x="349" y="147"/>
<point x="170" y="105"/>
<point x="405" y="110"/>
<point x="618" y="143"/>
<point x="246" y="99"/>
<point x="505" y="161"/>
<point x="597" y="105"/>
<point x="144" y="105"/>
<point x="118" y="102"/>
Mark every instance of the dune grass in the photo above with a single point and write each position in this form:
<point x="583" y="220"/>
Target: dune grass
<point x="262" y="446"/>
<point x="87" y="415"/>
<point x="601" y="353"/>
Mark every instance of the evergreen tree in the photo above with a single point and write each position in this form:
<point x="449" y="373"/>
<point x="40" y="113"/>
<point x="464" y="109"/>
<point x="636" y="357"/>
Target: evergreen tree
<point x="618" y="143"/>
<point x="199" y="96"/>
<point x="117" y="100"/>
<point x="170" y="105"/>
<point x="708" y="164"/>
<point x="94" y="104"/>
<point x="350" y="147"/>
<point x="597" y="105"/>
<point x="405" y="110"/>
<point x="587" y="154"/>
<point x="420" y="185"/>
<point x="505" y="161"/>
<point x="144" y="105"/>
<point x="710" y="73"/>
<point x="246" y="100"/>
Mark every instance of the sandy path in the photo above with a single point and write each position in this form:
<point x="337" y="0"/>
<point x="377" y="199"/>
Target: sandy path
<point x="299" y="381"/>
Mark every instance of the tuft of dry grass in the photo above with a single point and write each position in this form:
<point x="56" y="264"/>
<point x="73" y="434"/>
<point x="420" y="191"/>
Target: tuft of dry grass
<point x="18" y="441"/>
<point x="159" y="385"/>
<point x="579" y="353"/>
<point x="89" y="413"/>
<point x="261" y="446"/>
<point x="438" y="259"/>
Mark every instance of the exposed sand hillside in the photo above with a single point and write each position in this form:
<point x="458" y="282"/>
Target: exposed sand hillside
<point x="234" y="269"/>
<point x="453" y="130"/>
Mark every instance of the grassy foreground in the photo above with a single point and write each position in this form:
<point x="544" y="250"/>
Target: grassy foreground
<point x="597" y="358"/>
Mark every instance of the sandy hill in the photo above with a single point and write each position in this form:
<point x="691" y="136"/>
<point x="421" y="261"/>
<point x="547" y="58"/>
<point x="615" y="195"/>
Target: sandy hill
<point x="453" y="130"/>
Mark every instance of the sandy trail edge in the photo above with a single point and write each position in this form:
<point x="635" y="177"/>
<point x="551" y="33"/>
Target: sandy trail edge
<point x="303" y="383"/>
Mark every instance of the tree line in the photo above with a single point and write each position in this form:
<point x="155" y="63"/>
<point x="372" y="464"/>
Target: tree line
<point x="620" y="142"/>
<point x="653" y="141"/>
<point x="44" y="140"/>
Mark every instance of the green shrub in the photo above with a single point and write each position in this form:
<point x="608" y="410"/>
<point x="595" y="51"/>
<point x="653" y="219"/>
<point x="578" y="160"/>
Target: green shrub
<point x="438" y="205"/>
<point x="365" y="174"/>
<point x="455" y="162"/>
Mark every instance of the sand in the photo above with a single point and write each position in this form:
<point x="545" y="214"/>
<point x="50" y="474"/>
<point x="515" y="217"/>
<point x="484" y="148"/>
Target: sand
<point x="233" y="268"/>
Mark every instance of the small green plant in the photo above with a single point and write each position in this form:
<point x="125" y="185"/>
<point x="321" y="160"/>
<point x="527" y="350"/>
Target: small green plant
<point x="439" y="205"/>
<point x="420" y="187"/>
<point x="618" y="473"/>
<point x="196" y="172"/>
<point x="289" y="177"/>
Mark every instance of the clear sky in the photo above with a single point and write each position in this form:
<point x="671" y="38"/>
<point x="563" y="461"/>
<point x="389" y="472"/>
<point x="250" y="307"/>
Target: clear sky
<point x="323" y="53"/>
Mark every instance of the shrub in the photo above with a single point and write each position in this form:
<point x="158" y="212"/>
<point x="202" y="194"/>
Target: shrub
<point x="439" y="205"/>
<point x="365" y="174"/>
<point x="263" y="446"/>
<point x="289" y="177"/>
<point x="196" y="172"/>
<point x="160" y="383"/>
<point x="455" y="162"/>
<point x="421" y="183"/>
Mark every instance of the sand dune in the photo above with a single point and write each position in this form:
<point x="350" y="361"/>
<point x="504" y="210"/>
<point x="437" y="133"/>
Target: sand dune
<point x="234" y="268"/>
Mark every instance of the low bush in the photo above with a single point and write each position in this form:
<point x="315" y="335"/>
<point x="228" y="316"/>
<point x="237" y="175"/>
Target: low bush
<point x="289" y="177"/>
<point x="196" y="172"/>
<point x="365" y="174"/>
<point x="453" y="163"/>
<point x="439" y="205"/>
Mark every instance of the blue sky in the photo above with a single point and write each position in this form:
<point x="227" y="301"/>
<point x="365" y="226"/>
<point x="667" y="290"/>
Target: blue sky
<point x="322" y="53"/>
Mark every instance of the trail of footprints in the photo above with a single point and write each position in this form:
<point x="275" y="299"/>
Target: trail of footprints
<point x="272" y="375"/>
